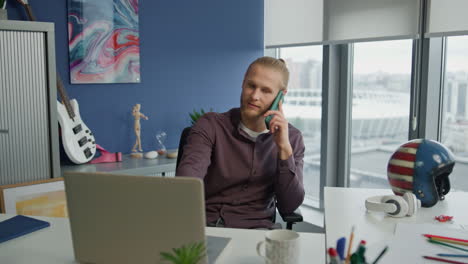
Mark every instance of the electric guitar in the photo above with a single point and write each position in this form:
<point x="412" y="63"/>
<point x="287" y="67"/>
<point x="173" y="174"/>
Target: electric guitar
<point x="77" y="140"/>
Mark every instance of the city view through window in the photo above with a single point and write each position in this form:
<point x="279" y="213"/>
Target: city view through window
<point x="303" y="109"/>
<point x="455" y="106"/>
<point x="380" y="108"/>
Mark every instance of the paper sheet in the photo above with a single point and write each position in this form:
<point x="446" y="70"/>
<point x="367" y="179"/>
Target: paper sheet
<point x="409" y="245"/>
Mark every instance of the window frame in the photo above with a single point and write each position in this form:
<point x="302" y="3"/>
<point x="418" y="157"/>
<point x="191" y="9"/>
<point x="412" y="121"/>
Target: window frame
<point x="315" y="204"/>
<point x="427" y="89"/>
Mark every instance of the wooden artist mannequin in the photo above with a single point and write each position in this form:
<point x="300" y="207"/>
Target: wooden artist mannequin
<point x="137" y="127"/>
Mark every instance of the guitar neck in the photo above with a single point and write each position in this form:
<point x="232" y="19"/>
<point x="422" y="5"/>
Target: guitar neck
<point x="29" y="11"/>
<point x="64" y="97"/>
<point x="60" y="87"/>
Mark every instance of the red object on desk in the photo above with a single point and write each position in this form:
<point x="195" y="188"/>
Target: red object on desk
<point x="443" y="218"/>
<point x="106" y="156"/>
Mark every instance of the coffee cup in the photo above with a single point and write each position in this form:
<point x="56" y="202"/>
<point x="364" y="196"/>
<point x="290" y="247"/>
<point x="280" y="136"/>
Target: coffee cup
<point x="281" y="247"/>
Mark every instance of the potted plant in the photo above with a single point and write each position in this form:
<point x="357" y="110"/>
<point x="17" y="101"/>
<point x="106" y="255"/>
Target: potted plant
<point x="187" y="254"/>
<point x="195" y="115"/>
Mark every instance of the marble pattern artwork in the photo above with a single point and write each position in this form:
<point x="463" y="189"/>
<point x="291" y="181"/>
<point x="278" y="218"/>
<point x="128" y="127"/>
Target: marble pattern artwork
<point x="103" y="40"/>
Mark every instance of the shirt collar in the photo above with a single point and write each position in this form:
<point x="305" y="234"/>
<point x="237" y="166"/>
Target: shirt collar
<point x="236" y="120"/>
<point x="250" y="132"/>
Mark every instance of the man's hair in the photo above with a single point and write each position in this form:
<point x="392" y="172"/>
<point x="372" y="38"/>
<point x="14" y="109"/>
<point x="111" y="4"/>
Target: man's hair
<point x="275" y="64"/>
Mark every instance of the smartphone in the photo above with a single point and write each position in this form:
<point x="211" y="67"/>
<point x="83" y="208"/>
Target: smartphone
<point x="274" y="106"/>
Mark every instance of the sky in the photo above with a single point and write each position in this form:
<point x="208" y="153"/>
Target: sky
<point x="387" y="56"/>
<point x="457" y="53"/>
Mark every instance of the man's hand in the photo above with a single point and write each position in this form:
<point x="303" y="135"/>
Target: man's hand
<point x="279" y="129"/>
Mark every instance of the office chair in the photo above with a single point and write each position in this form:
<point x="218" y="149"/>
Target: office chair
<point x="289" y="219"/>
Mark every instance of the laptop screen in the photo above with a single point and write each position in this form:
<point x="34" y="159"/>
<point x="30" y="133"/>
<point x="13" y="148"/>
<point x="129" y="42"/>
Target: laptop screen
<point x="132" y="219"/>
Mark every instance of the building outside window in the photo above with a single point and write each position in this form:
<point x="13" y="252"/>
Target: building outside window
<point x="303" y="109"/>
<point x="454" y="115"/>
<point x="380" y="108"/>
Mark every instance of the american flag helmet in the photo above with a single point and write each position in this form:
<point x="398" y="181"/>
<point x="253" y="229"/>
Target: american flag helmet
<point x="421" y="166"/>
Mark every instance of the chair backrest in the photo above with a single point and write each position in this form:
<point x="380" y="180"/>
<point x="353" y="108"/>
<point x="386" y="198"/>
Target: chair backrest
<point x="182" y="142"/>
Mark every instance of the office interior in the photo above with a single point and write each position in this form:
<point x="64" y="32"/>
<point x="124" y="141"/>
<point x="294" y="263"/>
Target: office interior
<point x="366" y="77"/>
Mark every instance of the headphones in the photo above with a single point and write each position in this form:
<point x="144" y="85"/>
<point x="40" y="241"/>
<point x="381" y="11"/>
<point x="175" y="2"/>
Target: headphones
<point x="394" y="205"/>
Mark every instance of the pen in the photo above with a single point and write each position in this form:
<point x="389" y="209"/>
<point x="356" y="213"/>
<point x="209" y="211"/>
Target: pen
<point x="361" y="251"/>
<point x="348" y="254"/>
<point x="445" y="244"/>
<point x="333" y="256"/>
<point x="443" y="237"/>
<point x="355" y="259"/>
<point x="380" y="255"/>
<point x="450" y="241"/>
<point x="444" y="260"/>
<point x="340" y="247"/>
<point x="453" y="255"/>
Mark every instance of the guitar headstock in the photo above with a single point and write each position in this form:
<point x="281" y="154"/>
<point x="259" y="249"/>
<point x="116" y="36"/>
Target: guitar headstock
<point x="23" y="2"/>
<point x="26" y="6"/>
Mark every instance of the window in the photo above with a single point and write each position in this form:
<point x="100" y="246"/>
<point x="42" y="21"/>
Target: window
<point x="303" y="109"/>
<point x="380" y="108"/>
<point x="454" y="113"/>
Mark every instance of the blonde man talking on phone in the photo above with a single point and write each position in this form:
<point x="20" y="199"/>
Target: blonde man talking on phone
<point x="248" y="169"/>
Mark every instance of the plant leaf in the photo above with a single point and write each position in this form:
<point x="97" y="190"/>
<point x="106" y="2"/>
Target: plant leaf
<point x="195" y="115"/>
<point x="187" y="254"/>
<point x="169" y="257"/>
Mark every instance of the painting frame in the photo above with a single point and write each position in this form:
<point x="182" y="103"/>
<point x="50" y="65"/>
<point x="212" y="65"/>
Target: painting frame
<point x="35" y="193"/>
<point x="103" y="41"/>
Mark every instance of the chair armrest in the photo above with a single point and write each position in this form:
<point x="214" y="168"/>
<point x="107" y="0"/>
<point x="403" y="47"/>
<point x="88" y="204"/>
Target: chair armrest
<point x="294" y="217"/>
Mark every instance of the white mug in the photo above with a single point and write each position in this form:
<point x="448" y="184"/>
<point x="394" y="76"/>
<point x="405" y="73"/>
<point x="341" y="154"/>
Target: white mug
<point x="281" y="247"/>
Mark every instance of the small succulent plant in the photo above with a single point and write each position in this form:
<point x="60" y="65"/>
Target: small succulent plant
<point x="187" y="254"/>
<point x="195" y="115"/>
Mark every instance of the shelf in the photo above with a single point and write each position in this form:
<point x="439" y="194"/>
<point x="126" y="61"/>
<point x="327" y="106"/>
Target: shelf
<point x="161" y="166"/>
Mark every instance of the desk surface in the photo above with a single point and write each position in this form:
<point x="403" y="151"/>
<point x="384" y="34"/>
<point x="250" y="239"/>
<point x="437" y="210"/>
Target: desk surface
<point x="345" y="207"/>
<point x="53" y="245"/>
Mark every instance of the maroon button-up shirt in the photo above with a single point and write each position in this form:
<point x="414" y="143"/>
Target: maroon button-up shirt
<point x="242" y="177"/>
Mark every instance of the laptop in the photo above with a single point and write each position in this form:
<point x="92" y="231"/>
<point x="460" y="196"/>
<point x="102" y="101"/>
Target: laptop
<point x="132" y="219"/>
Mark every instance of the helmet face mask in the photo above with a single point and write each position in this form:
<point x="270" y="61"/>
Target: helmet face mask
<point x="442" y="181"/>
<point x="421" y="166"/>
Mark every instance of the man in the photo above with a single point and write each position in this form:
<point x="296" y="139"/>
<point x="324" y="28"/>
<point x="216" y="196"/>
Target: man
<point x="244" y="166"/>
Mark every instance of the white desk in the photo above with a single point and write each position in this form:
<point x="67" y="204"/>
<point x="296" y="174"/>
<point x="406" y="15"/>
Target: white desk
<point x="53" y="245"/>
<point x="345" y="207"/>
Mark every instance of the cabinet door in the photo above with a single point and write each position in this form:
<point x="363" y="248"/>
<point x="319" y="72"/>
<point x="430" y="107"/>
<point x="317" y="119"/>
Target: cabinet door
<point x="24" y="128"/>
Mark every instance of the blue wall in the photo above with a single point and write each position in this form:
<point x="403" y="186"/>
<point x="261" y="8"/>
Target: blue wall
<point x="193" y="55"/>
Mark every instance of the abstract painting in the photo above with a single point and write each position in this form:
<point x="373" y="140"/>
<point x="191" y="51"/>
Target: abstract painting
<point x="40" y="198"/>
<point x="103" y="41"/>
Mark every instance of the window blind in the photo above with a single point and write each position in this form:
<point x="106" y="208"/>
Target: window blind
<point x="368" y="20"/>
<point x="293" y="22"/>
<point x="300" y="22"/>
<point x="447" y="18"/>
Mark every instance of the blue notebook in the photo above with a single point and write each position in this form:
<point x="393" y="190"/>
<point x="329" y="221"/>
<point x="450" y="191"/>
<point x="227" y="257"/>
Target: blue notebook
<point x="18" y="226"/>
